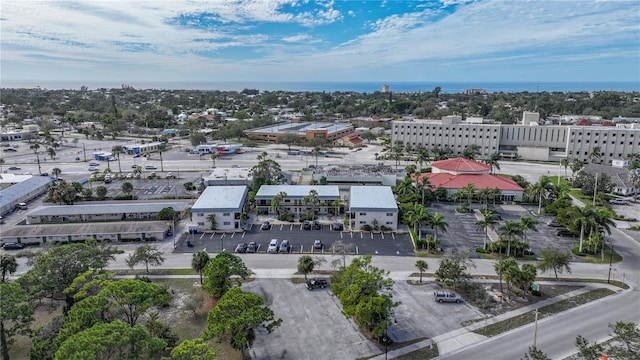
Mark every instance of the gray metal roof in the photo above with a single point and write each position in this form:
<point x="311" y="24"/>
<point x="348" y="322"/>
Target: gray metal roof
<point x="21" y="189"/>
<point x="119" y="227"/>
<point x="372" y="198"/>
<point x="221" y="198"/>
<point x="325" y="192"/>
<point x="301" y="128"/>
<point x="124" y="207"/>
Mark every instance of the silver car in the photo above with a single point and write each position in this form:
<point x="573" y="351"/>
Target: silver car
<point x="446" y="296"/>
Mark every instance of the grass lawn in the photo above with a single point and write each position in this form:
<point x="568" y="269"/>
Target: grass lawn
<point x="609" y="256"/>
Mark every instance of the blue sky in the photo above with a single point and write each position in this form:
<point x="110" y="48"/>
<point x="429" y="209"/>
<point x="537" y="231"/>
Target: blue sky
<point x="299" y="40"/>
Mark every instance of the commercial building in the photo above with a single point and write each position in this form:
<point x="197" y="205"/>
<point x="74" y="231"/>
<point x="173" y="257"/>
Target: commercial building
<point x="374" y="206"/>
<point x="124" y="211"/>
<point x="133" y="149"/>
<point x="224" y="204"/>
<point x="456" y="174"/>
<point x="528" y="142"/>
<point x="295" y="199"/>
<point x="305" y="130"/>
<point x="23" y="192"/>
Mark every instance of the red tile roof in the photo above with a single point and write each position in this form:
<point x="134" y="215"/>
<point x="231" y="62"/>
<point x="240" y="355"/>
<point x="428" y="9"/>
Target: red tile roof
<point x="481" y="181"/>
<point x="461" y="165"/>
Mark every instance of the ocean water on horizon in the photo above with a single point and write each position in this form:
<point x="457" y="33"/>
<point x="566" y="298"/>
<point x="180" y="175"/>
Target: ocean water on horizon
<point x="360" y="87"/>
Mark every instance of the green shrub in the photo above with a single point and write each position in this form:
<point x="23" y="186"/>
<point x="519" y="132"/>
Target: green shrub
<point x="286" y="217"/>
<point x="366" y="227"/>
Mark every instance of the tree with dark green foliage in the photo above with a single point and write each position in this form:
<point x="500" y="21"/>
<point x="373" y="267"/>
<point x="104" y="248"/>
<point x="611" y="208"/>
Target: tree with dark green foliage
<point x="627" y="340"/>
<point x="453" y="269"/>
<point x="147" y="254"/>
<point x="126" y="187"/>
<point x="236" y="316"/>
<point x="167" y="213"/>
<point x="16" y="315"/>
<point x="196" y="349"/>
<point x="535" y="354"/>
<point x="199" y="261"/>
<point x="101" y="192"/>
<point x="112" y="340"/>
<point x="219" y="272"/>
<point x="131" y="298"/>
<point x="306" y="264"/>
<point x="587" y="350"/>
<point x="55" y="270"/>
<point x="158" y="329"/>
<point x="554" y="259"/>
<point x="8" y="265"/>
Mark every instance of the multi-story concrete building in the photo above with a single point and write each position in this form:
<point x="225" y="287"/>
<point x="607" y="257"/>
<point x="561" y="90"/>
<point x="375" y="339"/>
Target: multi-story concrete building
<point x="533" y="142"/>
<point x="374" y="206"/>
<point x="225" y="203"/>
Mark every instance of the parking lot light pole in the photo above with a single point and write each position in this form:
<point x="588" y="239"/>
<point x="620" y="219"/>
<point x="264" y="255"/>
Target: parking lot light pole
<point x="610" y="260"/>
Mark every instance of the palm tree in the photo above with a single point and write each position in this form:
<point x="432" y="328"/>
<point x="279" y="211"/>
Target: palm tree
<point x="422" y="184"/>
<point x="211" y="218"/>
<point x="540" y="190"/>
<point x="486" y="194"/>
<point x="483" y="225"/>
<point x="422" y="157"/>
<point x="276" y="200"/>
<point x="437" y="223"/>
<point x="422" y="266"/>
<point x="527" y="223"/>
<point x="583" y="218"/>
<point x="213" y="158"/>
<point x="510" y="230"/>
<point x="502" y="266"/>
<point x="35" y="148"/>
<point x="492" y="161"/>
<point x="416" y="216"/>
<point x="470" y="191"/>
<point x="471" y="152"/>
<point x="595" y="154"/>
<point x="564" y="163"/>
<point x="312" y="199"/>
<point x="117" y="150"/>
<point x="56" y="172"/>
<point x="52" y="153"/>
<point x="1" y="163"/>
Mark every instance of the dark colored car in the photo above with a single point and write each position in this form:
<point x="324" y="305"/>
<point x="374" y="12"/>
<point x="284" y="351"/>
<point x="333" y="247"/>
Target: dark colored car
<point x="565" y="232"/>
<point x="317" y="283"/>
<point x="13" y="246"/>
<point x="316" y="225"/>
<point x="14" y="168"/>
<point x="265" y="226"/>
<point x="306" y="225"/>
<point x="338" y="227"/>
<point x="252" y="247"/>
<point x="242" y="248"/>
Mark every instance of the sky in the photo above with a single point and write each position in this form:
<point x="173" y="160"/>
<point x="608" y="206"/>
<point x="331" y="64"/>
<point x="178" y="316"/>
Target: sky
<point x="302" y="41"/>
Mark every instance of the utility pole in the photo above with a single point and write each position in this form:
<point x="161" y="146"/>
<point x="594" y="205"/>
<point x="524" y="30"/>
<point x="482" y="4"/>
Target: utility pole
<point x="610" y="260"/>
<point x="535" y="332"/>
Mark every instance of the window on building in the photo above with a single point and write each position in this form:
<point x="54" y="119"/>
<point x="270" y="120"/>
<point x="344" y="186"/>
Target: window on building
<point x="389" y="223"/>
<point x="226" y="214"/>
<point x="227" y="223"/>
<point x="389" y="214"/>
<point x="363" y="214"/>
<point x="200" y="224"/>
<point x="362" y="222"/>
<point x="200" y="214"/>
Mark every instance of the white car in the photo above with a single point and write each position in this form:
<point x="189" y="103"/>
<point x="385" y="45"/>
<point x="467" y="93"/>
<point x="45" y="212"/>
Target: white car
<point x="93" y="163"/>
<point x="92" y="168"/>
<point x="150" y="167"/>
<point x="273" y="246"/>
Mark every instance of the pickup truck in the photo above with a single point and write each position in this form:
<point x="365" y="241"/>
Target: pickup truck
<point x="317" y="283"/>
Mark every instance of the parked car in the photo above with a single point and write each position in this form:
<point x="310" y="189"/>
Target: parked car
<point x="92" y="168"/>
<point x="446" y="296"/>
<point x="252" y="247"/>
<point x="44" y="174"/>
<point x="136" y="155"/>
<point x="317" y="244"/>
<point x="306" y="225"/>
<point x="553" y="223"/>
<point x="150" y="167"/>
<point x="93" y="163"/>
<point x="265" y="226"/>
<point x="618" y="202"/>
<point x="338" y="227"/>
<point x="316" y="283"/>
<point x="242" y="248"/>
<point x="316" y="225"/>
<point x="13" y="246"/>
<point x="285" y="247"/>
<point x="565" y="232"/>
<point x="107" y="180"/>
<point x="273" y="246"/>
<point x="10" y="150"/>
<point x="14" y="168"/>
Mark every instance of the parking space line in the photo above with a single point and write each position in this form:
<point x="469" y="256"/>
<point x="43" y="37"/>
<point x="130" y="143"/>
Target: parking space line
<point x="361" y="236"/>
<point x="201" y="236"/>
<point x="291" y="227"/>
<point x="356" y="249"/>
<point x="232" y="234"/>
<point x="393" y="236"/>
<point x="372" y="235"/>
<point x="281" y="226"/>
<point x="243" y="234"/>
<point x="302" y="248"/>
<point x="212" y="235"/>
<point x="382" y="234"/>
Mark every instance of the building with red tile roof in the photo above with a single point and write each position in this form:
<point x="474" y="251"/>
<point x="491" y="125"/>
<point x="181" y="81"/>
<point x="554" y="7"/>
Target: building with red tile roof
<point x="458" y="173"/>
<point x="460" y="166"/>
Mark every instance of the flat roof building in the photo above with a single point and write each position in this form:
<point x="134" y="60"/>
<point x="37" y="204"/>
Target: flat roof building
<point x="375" y="206"/>
<point x="223" y="204"/>
<point x="304" y="130"/>
<point x="124" y="211"/>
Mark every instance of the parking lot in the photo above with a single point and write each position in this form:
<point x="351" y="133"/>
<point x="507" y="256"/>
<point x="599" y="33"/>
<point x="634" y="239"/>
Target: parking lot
<point x="301" y="240"/>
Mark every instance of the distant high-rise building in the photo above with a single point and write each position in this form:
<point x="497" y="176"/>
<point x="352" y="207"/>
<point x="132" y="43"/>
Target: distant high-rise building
<point x="385" y="88"/>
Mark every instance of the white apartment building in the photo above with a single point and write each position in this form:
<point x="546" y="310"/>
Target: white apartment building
<point x="373" y="206"/>
<point x="542" y="143"/>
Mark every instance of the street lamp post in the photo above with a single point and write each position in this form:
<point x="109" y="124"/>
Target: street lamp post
<point x="610" y="260"/>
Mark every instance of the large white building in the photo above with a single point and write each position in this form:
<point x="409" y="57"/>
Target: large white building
<point x="374" y="206"/>
<point x="542" y="143"/>
<point x="226" y="203"/>
<point x="295" y="201"/>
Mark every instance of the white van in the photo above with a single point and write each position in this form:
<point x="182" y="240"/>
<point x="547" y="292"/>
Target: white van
<point x="22" y="206"/>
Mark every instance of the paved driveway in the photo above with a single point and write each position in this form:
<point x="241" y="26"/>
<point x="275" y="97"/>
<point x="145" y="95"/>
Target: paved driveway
<point x="313" y="326"/>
